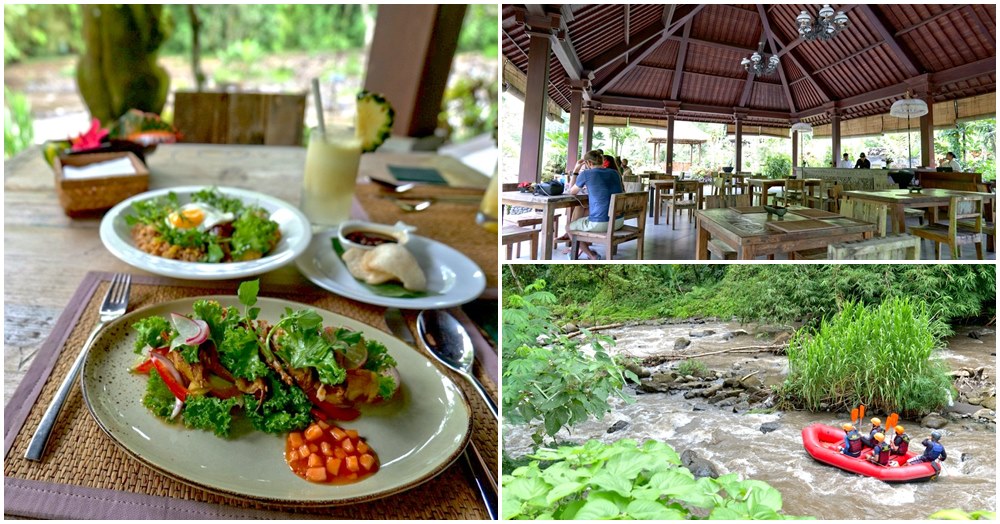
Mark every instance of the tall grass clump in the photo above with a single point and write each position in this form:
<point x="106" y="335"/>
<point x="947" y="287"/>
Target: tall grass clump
<point x="880" y="356"/>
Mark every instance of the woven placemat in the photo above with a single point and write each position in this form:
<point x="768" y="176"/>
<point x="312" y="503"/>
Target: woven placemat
<point x="85" y="475"/>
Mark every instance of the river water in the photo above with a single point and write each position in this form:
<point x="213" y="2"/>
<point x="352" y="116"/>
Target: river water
<point x="734" y="442"/>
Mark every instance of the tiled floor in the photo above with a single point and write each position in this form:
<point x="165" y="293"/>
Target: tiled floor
<point x="664" y="243"/>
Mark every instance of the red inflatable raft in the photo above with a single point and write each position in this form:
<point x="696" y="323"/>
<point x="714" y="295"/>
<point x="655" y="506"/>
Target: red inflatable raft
<point x="823" y="443"/>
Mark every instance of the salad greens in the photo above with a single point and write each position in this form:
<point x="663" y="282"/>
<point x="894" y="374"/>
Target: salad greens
<point x="224" y="361"/>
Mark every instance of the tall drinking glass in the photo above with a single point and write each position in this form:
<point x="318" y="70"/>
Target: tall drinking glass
<point x="488" y="215"/>
<point x="330" y="175"/>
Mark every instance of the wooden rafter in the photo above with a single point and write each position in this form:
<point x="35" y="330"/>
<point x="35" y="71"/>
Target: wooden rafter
<point x="681" y="57"/>
<point x="563" y="48"/>
<point x="929" y="20"/>
<point x="906" y="59"/>
<point x="766" y="23"/>
<point x="779" y="45"/>
<point x="650" y="103"/>
<point x="979" y="22"/>
<point x="622" y="70"/>
<point x="842" y="60"/>
<point x="610" y="56"/>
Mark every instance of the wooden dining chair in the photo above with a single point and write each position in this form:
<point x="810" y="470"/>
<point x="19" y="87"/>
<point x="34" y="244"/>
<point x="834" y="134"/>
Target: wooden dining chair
<point x="794" y="191"/>
<point x="685" y="196"/>
<point x="871" y="212"/>
<point x="965" y="226"/>
<point x="627" y="205"/>
<point x="210" y="117"/>
<point x="512" y="236"/>
<point x="893" y="247"/>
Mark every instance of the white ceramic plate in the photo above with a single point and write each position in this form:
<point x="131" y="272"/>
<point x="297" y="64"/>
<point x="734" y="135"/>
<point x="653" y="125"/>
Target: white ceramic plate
<point x="295" y="234"/>
<point x="452" y="278"/>
<point x="416" y="435"/>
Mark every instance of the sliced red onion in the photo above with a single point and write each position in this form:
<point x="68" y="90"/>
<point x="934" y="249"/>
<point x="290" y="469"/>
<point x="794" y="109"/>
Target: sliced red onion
<point x="178" y="405"/>
<point x="192" y="332"/>
<point x="355" y="356"/>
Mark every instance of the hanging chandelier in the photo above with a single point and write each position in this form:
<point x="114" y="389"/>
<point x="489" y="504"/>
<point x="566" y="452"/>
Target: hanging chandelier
<point x="757" y="66"/>
<point x="825" y="27"/>
<point x="908" y="108"/>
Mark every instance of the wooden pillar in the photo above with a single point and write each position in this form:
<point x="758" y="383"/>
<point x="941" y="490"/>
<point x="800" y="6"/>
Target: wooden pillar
<point x="588" y="129"/>
<point x="573" y="144"/>
<point x="795" y="150"/>
<point x="668" y="164"/>
<point x="535" y="95"/>
<point x="927" y="157"/>
<point x="656" y="152"/>
<point x="739" y="143"/>
<point x="835" y="135"/>
<point x="409" y="62"/>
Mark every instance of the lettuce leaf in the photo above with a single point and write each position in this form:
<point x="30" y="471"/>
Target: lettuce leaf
<point x="151" y="331"/>
<point x="210" y="413"/>
<point x="287" y="409"/>
<point x="158" y="398"/>
<point x="238" y="354"/>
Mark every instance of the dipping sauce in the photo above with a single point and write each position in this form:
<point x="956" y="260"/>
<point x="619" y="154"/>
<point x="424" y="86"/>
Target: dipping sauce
<point x="327" y="454"/>
<point x="368" y="238"/>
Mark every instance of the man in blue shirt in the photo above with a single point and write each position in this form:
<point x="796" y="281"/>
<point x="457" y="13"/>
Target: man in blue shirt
<point x="600" y="183"/>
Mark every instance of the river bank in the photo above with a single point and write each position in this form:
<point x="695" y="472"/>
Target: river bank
<point x="723" y="418"/>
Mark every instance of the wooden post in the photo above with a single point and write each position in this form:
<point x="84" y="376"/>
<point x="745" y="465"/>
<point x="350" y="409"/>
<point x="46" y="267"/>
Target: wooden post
<point x="739" y="142"/>
<point x="409" y="61"/>
<point x="533" y="125"/>
<point x="927" y="157"/>
<point x="795" y="150"/>
<point x="588" y="129"/>
<point x="669" y="162"/>
<point x="573" y="144"/>
<point x="835" y="135"/>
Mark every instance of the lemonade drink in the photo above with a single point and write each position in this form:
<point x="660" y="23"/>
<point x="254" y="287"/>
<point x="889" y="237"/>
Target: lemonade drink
<point x="488" y="214"/>
<point x="330" y="176"/>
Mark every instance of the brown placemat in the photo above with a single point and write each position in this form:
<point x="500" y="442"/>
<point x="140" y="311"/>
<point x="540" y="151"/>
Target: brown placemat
<point x="85" y="475"/>
<point x="814" y="213"/>
<point x="749" y="210"/>
<point x="796" y="226"/>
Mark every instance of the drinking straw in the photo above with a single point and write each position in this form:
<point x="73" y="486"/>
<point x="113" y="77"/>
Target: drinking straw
<point x="319" y="107"/>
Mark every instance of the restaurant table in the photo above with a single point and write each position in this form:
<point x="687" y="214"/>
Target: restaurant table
<point x="929" y="199"/>
<point x="548" y="206"/>
<point x="760" y="186"/>
<point x="656" y="188"/>
<point x="50" y="259"/>
<point x="746" y="231"/>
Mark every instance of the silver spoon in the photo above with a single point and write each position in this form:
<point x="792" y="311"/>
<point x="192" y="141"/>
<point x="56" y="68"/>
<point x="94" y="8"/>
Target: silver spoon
<point x="446" y="339"/>
<point x="408" y="207"/>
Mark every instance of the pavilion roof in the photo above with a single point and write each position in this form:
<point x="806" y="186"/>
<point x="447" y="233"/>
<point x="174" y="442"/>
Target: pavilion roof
<point x="641" y="60"/>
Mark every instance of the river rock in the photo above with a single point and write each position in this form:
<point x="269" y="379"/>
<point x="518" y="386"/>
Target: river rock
<point x="657" y="384"/>
<point x="768" y="427"/>
<point x="569" y="327"/>
<point x="618" y="426"/>
<point x="741" y="407"/>
<point x="985" y="414"/>
<point x="698" y="333"/>
<point x="781" y="338"/>
<point x="681" y="343"/>
<point x="751" y="382"/>
<point x="961" y="408"/>
<point x="773" y="381"/>
<point x="934" y="421"/>
<point x="699" y="466"/>
<point x="732" y="382"/>
<point x="636" y="368"/>
<point x="990" y="403"/>
<point x="726" y="337"/>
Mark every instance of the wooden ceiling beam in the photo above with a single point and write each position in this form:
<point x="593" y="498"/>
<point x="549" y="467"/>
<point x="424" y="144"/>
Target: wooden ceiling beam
<point x="609" y="57"/>
<point x="660" y="105"/>
<point x="985" y="32"/>
<point x="623" y="70"/>
<point x="929" y="20"/>
<point x="785" y="86"/>
<point x="681" y="58"/>
<point x="562" y="45"/>
<point x="878" y="22"/>
<point x="964" y="72"/>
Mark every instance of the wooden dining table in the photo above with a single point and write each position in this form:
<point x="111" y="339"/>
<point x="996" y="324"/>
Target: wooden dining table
<point x="929" y="199"/>
<point x="751" y="232"/>
<point x="547" y="205"/>
<point x="49" y="257"/>
<point x="760" y="186"/>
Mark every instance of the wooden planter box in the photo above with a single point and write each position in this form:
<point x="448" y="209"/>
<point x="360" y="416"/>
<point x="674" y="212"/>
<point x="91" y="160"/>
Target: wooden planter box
<point x="91" y="195"/>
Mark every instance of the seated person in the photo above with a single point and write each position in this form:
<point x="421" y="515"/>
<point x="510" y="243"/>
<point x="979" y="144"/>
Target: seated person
<point x="876" y="428"/>
<point x="862" y="163"/>
<point x="846" y="163"/>
<point x="933" y="450"/>
<point x="852" y="441"/>
<point x="880" y="452"/>
<point x="600" y="183"/>
<point x="949" y="161"/>
<point x="900" y="443"/>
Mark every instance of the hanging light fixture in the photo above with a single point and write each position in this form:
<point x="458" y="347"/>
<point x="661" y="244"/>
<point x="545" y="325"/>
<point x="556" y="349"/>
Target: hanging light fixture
<point x="908" y="107"/>
<point x="825" y="27"/>
<point x="802" y="128"/>
<point x="757" y="66"/>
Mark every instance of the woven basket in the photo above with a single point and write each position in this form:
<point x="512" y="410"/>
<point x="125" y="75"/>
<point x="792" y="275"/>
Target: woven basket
<point x="91" y="195"/>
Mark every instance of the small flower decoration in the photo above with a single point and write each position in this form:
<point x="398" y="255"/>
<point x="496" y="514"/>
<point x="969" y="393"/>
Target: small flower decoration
<point x="524" y="185"/>
<point x="91" y="139"/>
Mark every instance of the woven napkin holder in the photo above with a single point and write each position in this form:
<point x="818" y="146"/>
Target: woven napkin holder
<point x="91" y="195"/>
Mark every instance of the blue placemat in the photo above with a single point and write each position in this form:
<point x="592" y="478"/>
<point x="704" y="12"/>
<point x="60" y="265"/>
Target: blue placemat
<point x="424" y="175"/>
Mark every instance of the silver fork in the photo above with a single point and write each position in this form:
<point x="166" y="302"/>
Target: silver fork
<point x="114" y="305"/>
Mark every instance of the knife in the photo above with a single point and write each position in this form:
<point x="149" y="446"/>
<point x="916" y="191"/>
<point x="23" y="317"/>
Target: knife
<point x="473" y="461"/>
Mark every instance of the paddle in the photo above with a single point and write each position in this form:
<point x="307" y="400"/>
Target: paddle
<point x="854" y="416"/>
<point x="861" y="414"/>
<point x="890" y="424"/>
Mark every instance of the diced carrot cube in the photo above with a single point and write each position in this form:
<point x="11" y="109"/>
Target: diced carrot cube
<point x="367" y="461"/>
<point x="362" y="447"/>
<point x="333" y="465"/>
<point x="353" y="433"/>
<point x="352" y="476"/>
<point x="348" y="445"/>
<point x="313" y="432"/>
<point x="293" y="456"/>
<point x="338" y="433"/>
<point x="304" y="451"/>
<point x="352" y="464"/>
<point x="315" y="461"/>
<point x="316" y="474"/>
<point x="295" y="439"/>
<point x="313" y="447"/>
<point x="322" y="424"/>
<point x="326" y="448"/>
<point x="339" y="453"/>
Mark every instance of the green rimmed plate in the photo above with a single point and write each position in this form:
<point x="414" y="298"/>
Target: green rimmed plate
<point x="416" y="436"/>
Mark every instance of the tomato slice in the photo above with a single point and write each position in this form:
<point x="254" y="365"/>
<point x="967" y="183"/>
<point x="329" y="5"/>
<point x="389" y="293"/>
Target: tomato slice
<point x="331" y="411"/>
<point x="175" y="387"/>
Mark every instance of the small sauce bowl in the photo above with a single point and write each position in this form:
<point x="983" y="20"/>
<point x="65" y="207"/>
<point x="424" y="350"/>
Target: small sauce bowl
<point x="368" y="235"/>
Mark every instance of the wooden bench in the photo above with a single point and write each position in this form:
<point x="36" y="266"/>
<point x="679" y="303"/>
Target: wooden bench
<point x="514" y="235"/>
<point x="954" y="181"/>
<point x="896" y="247"/>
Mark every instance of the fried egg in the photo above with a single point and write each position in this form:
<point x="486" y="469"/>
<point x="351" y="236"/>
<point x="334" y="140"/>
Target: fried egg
<point x="198" y="216"/>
